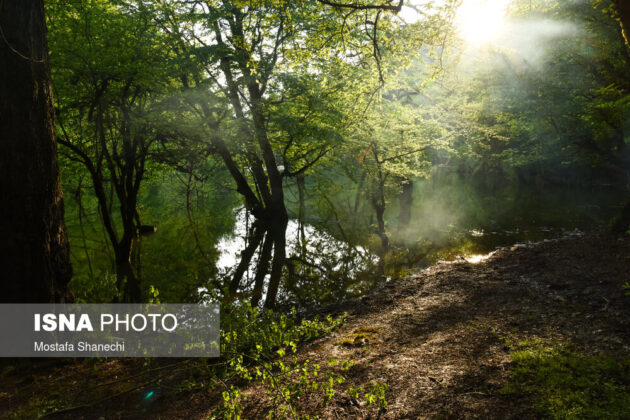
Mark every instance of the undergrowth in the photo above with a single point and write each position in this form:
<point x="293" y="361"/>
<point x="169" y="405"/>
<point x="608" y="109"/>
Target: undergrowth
<point x="261" y="347"/>
<point x="567" y="384"/>
<point x="258" y="349"/>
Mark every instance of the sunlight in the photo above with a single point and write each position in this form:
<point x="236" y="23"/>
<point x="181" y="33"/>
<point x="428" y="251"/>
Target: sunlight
<point x="478" y="258"/>
<point x="481" y="21"/>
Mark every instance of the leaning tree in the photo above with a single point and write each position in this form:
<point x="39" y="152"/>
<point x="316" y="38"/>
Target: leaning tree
<point x="272" y="88"/>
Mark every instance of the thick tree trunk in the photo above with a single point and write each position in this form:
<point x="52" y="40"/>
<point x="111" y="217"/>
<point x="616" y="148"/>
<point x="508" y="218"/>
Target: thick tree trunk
<point x="132" y="290"/>
<point x="33" y="240"/>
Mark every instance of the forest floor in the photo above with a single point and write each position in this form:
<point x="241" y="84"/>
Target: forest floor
<point x="443" y="341"/>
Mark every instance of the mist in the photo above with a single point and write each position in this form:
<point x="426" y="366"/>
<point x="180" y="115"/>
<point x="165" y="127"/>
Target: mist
<point x="348" y="159"/>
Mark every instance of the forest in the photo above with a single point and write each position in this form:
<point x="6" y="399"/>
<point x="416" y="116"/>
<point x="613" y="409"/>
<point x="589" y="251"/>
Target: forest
<point x="405" y="209"/>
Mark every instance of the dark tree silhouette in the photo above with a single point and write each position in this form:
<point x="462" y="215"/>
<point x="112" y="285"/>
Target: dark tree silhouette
<point x="622" y="8"/>
<point x="33" y="242"/>
<point x="623" y="12"/>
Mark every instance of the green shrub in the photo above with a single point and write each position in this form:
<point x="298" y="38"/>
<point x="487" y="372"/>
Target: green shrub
<point x="262" y="347"/>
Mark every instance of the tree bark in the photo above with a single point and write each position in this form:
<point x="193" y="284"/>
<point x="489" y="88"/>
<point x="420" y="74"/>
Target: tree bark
<point x="127" y="279"/>
<point x="623" y="12"/>
<point x="34" y="243"/>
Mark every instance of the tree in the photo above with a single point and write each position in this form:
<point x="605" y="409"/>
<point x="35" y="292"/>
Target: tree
<point x="111" y="74"/>
<point x="391" y="148"/>
<point x="271" y="107"/>
<point x="622" y="8"/>
<point x="34" y="245"/>
<point x="552" y="111"/>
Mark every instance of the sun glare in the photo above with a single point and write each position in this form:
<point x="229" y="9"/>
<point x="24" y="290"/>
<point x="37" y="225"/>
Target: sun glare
<point x="481" y="21"/>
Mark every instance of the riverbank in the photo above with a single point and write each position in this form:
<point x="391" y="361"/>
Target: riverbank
<point x="449" y="342"/>
<point x="444" y="341"/>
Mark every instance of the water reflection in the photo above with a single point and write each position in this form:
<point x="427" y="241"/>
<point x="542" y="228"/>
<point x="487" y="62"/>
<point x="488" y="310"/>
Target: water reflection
<point x="321" y="267"/>
<point x="298" y="236"/>
<point x="449" y="223"/>
<point x="326" y="270"/>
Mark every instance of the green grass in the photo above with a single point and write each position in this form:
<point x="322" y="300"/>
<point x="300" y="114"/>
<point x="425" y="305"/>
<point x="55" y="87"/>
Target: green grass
<point x="566" y="384"/>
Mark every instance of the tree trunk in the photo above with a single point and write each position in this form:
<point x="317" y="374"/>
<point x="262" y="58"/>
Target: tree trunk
<point x="34" y="242"/>
<point x="382" y="233"/>
<point x="127" y="280"/>
<point x="623" y="11"/>
<point x="622" y="222"/>
<point x="357" y="197"/>
<point x="246" y="257"/>
<point x="301" y="215"/>
<point x="406" y="200"/>
<point x="278" y="234"/>
<point x="262" y="268"/>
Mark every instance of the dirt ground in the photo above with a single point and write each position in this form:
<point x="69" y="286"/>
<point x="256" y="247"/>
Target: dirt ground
<point x="437" y="340"/>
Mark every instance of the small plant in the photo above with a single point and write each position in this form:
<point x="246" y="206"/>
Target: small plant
<point x="262" y="346"/>
<point x="286" y="381"/>
<point x="247" y="330"/>
<point x="232" y="408"/>
<point x="376" y="395"/>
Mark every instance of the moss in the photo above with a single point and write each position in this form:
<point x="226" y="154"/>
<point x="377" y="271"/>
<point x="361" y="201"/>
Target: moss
<point x="360" y="337"/>
<point x="368" y="330"/>
<point x="346" y="342"/>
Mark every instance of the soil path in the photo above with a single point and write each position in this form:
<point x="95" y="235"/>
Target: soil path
<point x="439" y="341"/>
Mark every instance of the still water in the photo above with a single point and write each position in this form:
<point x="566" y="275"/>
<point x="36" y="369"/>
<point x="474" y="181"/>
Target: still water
<point x="449" y="221"/>
<point x="196" y="247"/>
